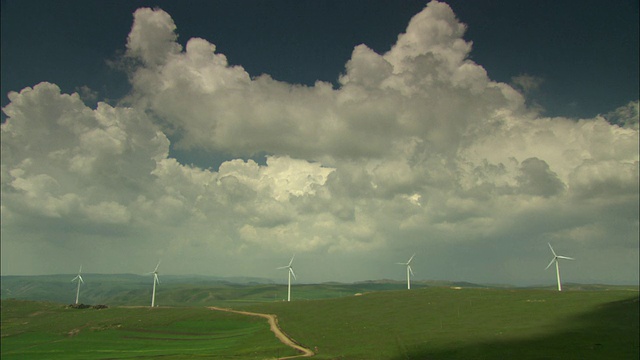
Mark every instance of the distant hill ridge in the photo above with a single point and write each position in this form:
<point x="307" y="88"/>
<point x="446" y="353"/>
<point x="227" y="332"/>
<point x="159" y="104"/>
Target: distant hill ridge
<point x="203" y="290"/>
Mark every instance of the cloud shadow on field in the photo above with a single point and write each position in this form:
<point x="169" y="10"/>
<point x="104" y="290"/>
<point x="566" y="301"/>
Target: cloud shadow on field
<point x="609" y="332"/>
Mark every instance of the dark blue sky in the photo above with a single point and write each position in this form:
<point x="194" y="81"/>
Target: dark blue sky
<point x="586" y="52"/>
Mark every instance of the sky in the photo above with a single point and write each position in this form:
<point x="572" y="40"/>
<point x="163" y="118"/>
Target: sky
<point x="223" y="137"/>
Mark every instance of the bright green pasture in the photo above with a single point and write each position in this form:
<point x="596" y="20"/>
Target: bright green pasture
<point x="32" y="330"/>
<point x="443" y="323"/>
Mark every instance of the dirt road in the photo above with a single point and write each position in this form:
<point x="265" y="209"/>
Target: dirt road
<point x="273" y="324"/>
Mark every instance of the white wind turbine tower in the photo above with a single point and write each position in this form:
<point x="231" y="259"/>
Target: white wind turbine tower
<point x="290" y="268"/>
<point x="555" y="259"/>
<point x="409" y="271"/>
<point x="155" y="281"/>
<point x="79" y="278"/>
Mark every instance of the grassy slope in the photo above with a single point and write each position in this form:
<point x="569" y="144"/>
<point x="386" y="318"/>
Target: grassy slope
<point x="441" y="323"/>
<point x="32" y="330"/>
<point x="431" y="323"/>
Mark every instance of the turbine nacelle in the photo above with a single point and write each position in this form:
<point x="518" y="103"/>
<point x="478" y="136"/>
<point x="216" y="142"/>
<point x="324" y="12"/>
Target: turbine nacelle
<point x="78" y="277"/>
<point x="408" y="263"/>
<point x="154" y="272"/>
<point x="556" y="257"/>
<point x="289" y="267"/>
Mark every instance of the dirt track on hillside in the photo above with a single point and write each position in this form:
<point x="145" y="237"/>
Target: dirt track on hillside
<point x="273" y="324"/>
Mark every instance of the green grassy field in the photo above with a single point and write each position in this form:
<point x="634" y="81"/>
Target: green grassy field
<point x="430" y="323"/>
<point x="443" y="323"/>
<point x="37" y="330"/>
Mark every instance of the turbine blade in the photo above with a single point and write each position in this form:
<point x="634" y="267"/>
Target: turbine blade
<point x="156" y="269"/>
<point x="75" y="278"/>
<point x="80" y="277"/>
<point x="282" y="267"/>
<point x="292" y="273"/>
<point x="410" y="271"/>
<point x="565" y="257"/>
<point x="551" y="263"/>
<point x="291" y="261"/>
<point x="554" y="253"/>
<point x="411" y="258"/>
<point x="79" y="271"/>
<point x="155" y="278"/>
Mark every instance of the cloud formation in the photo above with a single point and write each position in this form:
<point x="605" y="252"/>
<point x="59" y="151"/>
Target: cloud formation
<point x="415" y="149"/>
<point x="527" y="83"/>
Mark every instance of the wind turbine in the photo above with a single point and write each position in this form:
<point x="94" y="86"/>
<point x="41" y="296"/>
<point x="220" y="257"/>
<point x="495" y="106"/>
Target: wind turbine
<point x="79" y="278"/>
<point x="155" y="281"/>
<point x="409" y="271"/>
<point x="290" y="273"/>
<point x="555" y="259"/>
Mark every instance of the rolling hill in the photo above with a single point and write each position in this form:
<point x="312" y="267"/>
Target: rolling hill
<point x="190" y="290"/>
<point x="384" y="321"/>
<point x="467" y="323"/>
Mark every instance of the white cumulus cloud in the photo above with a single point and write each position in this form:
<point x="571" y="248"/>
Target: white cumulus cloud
<point x="415" y="149"/>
